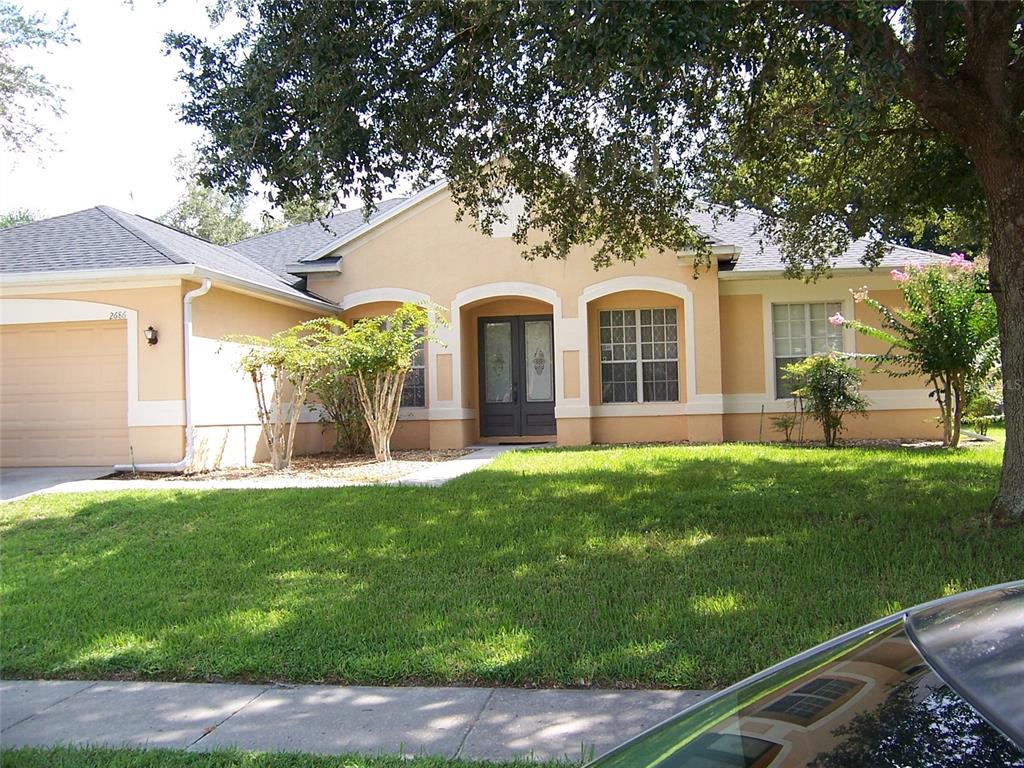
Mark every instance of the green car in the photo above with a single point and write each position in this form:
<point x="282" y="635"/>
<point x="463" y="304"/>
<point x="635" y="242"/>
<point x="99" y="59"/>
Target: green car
<point x="938" y="686"/>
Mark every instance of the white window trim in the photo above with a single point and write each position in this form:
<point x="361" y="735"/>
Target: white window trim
<point x="639" y="359"/>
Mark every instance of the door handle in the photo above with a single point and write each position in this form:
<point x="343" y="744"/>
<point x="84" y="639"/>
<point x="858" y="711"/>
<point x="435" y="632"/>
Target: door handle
<point x="515" y="392"/>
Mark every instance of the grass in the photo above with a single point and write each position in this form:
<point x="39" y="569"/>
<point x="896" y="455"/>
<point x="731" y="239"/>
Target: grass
<point x="74" y="757"/>
<point x="668" y="566"/>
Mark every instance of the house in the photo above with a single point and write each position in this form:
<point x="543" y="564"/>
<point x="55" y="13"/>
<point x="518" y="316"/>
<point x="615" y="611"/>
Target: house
<point x="534" y="350"/>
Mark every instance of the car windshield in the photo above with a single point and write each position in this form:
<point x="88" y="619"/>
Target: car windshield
<point x="870" y="701"/>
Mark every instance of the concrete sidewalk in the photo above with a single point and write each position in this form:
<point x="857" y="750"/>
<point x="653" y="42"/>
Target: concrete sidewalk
<point x="472" y="723"/>
<point x="81" y="479"/>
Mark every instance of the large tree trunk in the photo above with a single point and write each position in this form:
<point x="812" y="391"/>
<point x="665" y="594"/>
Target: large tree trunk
<point x="1006" y="273"/>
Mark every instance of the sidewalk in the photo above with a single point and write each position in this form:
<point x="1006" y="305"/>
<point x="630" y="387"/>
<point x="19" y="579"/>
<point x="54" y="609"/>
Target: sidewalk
<point x="19" y="483"/>
<point x="473" y="723"/>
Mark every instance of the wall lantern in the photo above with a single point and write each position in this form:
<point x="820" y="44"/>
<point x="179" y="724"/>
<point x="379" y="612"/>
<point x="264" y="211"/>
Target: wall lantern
<point x="151" y="335"/>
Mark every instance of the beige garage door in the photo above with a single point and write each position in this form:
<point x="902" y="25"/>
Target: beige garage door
<point x="63" y="394"/>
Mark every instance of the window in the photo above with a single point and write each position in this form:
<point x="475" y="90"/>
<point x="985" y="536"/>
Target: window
<point x="800" y="330"/>
<point x="414" y="391"/>
<point x="639" y="355"/>
<point x="812" y="700"/>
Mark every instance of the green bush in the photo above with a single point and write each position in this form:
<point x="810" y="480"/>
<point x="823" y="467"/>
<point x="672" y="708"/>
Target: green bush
<point x="340" y="408"/>
<point x="828" y="388"/>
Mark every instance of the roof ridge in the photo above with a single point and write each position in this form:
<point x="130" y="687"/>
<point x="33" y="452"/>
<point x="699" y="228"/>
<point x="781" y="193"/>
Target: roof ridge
<point x="116" y="215"/>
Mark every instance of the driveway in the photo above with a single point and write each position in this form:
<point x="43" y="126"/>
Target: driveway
<point x="19" y="481"/>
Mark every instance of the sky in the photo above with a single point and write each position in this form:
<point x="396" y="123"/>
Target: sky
<point x="117" y="141"/>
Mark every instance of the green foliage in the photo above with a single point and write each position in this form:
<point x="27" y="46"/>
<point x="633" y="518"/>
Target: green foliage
<point x="386" y="343"/>
<point x="984" y="402"/>
<point x="337" y="396"/>
<point x="606" y="117"/>
<point x="16" y="217"/>
<point x="829" y="389"/>
<point x="282" y="368"/>
<point x="658" y="566"/>
<point x="947" y="332"/>
<point x="25" y="92"/>
<point x="207" y="213"/>
<point x="379" y="353"/>
<point x="785" y="424"/>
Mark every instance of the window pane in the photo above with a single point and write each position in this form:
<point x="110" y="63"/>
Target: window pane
<point x="498" y="362"/>
<point x="540" y="369"/>
<point x="661" y="381"/>
<point x="618" y="382"/>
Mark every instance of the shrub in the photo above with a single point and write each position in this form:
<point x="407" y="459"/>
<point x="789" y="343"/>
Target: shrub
<point x="281" y="368"/>
<point x="828" y="388"/>
<point x="785" y="424"/>
<point x="341" y="409"/>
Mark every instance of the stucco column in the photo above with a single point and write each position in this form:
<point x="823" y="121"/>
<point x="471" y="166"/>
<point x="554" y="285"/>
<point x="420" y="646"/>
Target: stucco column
<point x="572" y="386"/>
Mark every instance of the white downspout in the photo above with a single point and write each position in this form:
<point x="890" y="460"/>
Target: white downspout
<point x="180" y="466"/>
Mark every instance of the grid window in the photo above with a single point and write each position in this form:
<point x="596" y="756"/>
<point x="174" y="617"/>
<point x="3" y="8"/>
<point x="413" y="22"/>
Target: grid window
<point x="414" y="391"/>
<point x="618" y="356"/>
<point x="810" y="701"/>
<point x="639" y="355"/>
<point x="801" y="330"/>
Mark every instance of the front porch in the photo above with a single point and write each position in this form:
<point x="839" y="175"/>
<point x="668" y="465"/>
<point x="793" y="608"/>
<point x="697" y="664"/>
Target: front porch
<point x="517" y="364"/>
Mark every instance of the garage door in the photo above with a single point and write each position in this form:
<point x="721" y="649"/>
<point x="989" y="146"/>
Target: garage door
<point x="63" y="394"/>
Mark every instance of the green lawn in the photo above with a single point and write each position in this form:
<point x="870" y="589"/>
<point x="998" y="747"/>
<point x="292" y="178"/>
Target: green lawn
<point x="64" y="757"/>
<point x="658" y="566"/>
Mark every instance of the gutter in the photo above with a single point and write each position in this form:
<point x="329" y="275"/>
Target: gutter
<point x="180" y="466"/>
<point x="57" y="277"/>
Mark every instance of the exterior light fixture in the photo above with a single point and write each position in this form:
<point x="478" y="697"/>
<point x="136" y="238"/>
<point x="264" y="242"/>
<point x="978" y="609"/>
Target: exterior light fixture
<point x="151" y="335"/>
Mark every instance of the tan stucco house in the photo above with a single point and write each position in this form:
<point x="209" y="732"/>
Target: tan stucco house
<point x="535" y="351"/>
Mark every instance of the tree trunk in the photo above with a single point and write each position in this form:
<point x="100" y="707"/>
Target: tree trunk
<point x="1001" y="171"/>
<point x="1006" y="273"/>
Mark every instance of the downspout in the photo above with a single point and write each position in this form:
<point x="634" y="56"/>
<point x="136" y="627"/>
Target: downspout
<point x="180" y="466"/>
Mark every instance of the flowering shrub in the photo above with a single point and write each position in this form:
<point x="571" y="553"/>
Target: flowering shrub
<point x="947" y="332"/>
<point x="829" y="389"/>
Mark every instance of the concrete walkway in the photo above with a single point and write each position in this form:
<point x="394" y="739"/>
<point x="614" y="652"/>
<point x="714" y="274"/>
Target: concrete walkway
<point x="78" y="479"/>
<point x="441" y="472"/>
<point x="24" y="481"/>
<point x="472" y="723"/>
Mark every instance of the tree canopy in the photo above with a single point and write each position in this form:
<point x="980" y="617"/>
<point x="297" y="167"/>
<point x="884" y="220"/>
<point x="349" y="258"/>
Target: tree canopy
<point x="24" y="90"/>
<point x="613" y="120"/>
<point x="206" y="212"/>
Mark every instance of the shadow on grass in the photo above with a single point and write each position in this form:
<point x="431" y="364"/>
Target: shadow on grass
<point x="672" y="566"/>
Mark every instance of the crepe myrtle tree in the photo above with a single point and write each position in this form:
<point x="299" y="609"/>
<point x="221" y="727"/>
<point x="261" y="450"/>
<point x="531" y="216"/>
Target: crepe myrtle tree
<point x="281" y="368"/>
<point x="379" y="353"/>
<point x="613" y="120"/>
<point x="946" y="332"/>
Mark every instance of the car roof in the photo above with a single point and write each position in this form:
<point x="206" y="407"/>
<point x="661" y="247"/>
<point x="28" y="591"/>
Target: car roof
<point x="975" y="643"/>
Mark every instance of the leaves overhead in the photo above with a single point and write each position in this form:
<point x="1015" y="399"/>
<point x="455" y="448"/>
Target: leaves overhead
<point x="25" y="92"/>
<point x="611" y="120"/>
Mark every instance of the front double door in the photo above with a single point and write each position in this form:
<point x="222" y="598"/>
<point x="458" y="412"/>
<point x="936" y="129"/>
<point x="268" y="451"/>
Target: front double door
<point x="517" y="376"/>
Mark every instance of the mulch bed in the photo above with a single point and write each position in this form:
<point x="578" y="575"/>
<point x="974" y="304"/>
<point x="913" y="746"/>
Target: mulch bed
<point x="322" y="466"/>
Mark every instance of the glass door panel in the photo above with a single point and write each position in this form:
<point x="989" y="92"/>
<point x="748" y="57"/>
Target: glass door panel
<point x="539" y="361"/>
<point x="498" y="362"/>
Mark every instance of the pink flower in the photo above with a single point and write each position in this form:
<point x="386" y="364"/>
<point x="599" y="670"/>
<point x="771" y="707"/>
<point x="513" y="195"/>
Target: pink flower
<point x="859" y="294"/>
<point x="958" y="261"/>
<point x="837" y="319"/>
<point x="899" y="277"/>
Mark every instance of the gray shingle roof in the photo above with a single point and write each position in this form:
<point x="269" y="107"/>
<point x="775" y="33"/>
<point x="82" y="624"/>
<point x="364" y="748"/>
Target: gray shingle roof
<point x="106" y="238"/>
<point x="761" y="254"/>
<point x="277" y="250"/>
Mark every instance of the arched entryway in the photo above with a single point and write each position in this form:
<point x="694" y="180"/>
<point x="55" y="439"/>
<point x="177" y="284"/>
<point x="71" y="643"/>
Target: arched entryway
<point x="509" y="362"/>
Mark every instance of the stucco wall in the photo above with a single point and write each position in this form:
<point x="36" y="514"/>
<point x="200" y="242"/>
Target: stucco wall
<point x="223" y="398"/>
